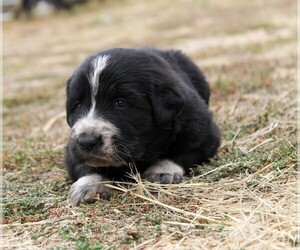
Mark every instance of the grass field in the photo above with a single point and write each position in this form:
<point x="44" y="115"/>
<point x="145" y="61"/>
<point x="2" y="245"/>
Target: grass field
<point x="245" y="198"/>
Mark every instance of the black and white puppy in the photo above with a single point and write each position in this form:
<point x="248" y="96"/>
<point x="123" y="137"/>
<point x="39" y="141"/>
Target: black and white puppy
<point x="143" y="107"/>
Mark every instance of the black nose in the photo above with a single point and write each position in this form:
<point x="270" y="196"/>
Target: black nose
<point x="88" y="141"/>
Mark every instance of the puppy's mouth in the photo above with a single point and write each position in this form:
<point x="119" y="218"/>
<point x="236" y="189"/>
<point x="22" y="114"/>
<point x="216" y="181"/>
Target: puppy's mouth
<point x="103" y="160"/>
<point x="96" y="154"/>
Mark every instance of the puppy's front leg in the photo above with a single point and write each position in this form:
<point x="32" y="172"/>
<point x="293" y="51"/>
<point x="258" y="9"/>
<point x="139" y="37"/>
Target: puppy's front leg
<point x="86" y="187"/>
<point x="164" y="172"/>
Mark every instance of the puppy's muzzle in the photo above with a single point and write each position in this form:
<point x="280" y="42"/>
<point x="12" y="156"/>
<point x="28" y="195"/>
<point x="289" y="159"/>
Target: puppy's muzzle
<point x="89" y="142"/>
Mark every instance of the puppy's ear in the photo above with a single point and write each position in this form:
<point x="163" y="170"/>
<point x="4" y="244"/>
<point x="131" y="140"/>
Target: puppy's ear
<point x="67" y="102"/>
<point x="69" y="120"/>
<point x="167" y="104"/>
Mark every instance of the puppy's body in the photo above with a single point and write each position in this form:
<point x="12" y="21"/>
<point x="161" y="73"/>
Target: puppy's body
<point x="141" y="106"/>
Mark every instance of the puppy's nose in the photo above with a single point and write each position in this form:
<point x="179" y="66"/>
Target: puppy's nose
<point x="88" y="141"/>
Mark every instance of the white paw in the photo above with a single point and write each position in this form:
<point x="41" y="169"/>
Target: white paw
<point x="85" y="188"/>
<point x="164" y="172"/>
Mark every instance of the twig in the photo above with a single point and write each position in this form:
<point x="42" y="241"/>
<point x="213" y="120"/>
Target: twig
<point x="234" y="106"/>
<point x="262" y="143"/>
<point x="259" y="171"/>
<point x="144" y="243"/>
<point x="35" y="223"/>
<point x="50" y="123"/>
<point x="164" y="205"/>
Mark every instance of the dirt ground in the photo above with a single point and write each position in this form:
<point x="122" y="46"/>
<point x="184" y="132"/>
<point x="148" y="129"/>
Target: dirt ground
<point x="245" y="198"/>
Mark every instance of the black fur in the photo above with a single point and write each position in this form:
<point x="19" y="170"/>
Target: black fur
<point x="166" y="116"/>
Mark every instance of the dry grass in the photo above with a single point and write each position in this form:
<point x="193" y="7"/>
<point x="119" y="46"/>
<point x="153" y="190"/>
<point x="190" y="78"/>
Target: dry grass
<point x="245" y="198"/>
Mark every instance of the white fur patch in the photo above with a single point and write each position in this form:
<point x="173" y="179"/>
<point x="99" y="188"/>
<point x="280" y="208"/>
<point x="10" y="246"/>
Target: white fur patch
<point x="165" y="166"/>
<point x="85" y="187"/>
<point x="99" y="64"/>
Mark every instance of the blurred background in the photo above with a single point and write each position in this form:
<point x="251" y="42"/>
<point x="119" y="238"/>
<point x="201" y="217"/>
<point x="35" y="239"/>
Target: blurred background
<point x="16" y="8"/>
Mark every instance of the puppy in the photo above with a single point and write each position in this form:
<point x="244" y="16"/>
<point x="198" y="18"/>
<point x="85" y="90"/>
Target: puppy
<point x="141" y="106"/>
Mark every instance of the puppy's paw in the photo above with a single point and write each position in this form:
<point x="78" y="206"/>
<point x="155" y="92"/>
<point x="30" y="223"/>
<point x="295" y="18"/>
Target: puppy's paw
<point x="87" y="187"/>
<point x="164" y="172"/>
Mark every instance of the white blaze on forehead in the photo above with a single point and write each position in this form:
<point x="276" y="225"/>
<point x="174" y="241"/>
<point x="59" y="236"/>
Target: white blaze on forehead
<point x="99" y="63"/>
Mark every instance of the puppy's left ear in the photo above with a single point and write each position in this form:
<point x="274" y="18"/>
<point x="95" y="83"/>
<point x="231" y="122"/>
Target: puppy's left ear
<point x="67" y="102"/>
<point x="167" y="104"/>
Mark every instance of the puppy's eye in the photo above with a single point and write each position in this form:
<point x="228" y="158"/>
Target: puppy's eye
<point x="121" y="103"/>
<point x="76" y="106"/>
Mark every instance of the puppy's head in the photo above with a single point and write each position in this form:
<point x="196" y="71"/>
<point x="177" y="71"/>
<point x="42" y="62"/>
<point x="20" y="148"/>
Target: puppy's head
<point x="122" y="106"/>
